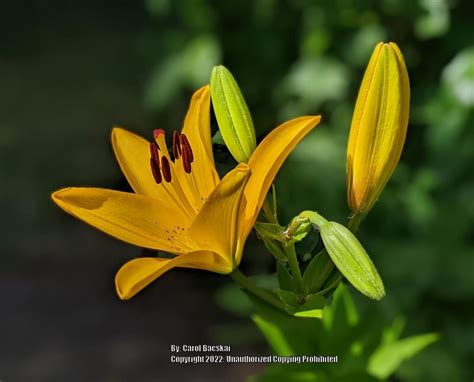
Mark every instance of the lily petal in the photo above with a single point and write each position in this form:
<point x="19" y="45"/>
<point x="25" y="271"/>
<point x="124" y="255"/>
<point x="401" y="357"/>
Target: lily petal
<point x="215" y="226"/>
<point x="133" y="218"/>
<point x="265" y="163"/>
<point x="133" y="156"/>
<point x="197" y="128"/>
<point x="136" y="274"/>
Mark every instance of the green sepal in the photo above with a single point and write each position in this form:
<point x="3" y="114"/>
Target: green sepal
<point x="232" y="114"/>
<point x="317" y="272"/>
<point x="351" y="259"/>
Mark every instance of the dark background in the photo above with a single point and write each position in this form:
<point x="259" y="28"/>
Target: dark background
<point x="70" y="70"/>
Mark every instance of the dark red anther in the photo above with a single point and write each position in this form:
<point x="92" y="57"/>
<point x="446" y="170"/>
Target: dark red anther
<point x="155" y="170"/>
<point x="176" y="146"/>
<point x="186" y="162"/>
<point x="154" y="152"/>
<point x="165" y="168"/>
<point x="183" y="139"/>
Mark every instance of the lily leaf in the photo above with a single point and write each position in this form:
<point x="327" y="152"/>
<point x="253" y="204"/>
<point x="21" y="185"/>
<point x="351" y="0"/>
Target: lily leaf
<point x="271" y="231"/>
<point x="285" y="280"/>
<point x="317" y="272"/>
<point x="387" y="358"/>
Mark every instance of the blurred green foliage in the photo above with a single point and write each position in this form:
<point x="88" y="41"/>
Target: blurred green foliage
<point x="298" y="57"/>
<point x="367" y="344"/>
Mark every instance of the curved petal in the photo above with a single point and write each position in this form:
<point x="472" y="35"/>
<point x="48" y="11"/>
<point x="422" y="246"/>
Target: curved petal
<point x="133" y="218"/>
<point x="215" y="227"/>
<point x="133" y="156"/>
<point x="265" y="163"/>
<point x="197" y="128"/>
<point x="136" y="274"/>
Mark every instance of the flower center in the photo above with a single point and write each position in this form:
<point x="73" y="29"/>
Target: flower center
<point x="160" y="162"/>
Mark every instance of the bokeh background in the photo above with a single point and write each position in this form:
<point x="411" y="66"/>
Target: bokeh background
<point x="70" y="70"/>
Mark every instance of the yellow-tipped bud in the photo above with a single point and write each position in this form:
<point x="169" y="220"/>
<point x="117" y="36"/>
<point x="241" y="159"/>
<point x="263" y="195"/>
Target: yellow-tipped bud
<point x="379" y="127"/>
<point x="232" y="114"/>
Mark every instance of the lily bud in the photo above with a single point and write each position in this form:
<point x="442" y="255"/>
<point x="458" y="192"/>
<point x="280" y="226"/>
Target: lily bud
<point x="232" y="114"/>
<point x="379" y="127"/>
<point x="348" y="255"/>
<point x="351" y="259"/>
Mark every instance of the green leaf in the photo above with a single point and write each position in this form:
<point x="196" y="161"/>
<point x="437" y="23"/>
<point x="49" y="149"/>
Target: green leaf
<point x="284" y="278"/>
<point x="311" y="308"/>
<point x="270" y="231"/>
<point x="302" y="306"/>
<point x="342" y="313"/>
<point x="317" y="272"/>
<point x="286" y="334"/>
<point x="289" y="298"/>
<point x="332" y="282"/>
<point x="387" y="358"/>
<point x="233" y="299"/>
<point x="352" y="260"/>
<point x="272" y="235"/>
<point x="232" y="114"/>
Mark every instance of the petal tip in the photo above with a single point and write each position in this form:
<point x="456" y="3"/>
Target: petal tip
<point x="198" y="94"/>
<point x="56" y="195"/>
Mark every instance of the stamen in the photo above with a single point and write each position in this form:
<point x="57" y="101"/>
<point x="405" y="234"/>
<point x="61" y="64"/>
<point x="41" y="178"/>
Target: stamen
<point x="186" y="162"/>
<point x="165" y="168"/>
<point x="185" y="145"/>
<point x="154" y="152"/>
<point x="155" y="170"/>
<point x="155" y="163"/>
<point x="176" y="147"/>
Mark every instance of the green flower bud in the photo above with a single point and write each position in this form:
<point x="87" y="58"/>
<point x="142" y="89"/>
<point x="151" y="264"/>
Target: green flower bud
<point x="351" y="259"/>
<point x="232" y="114"/>
<point x="298" y="229"/>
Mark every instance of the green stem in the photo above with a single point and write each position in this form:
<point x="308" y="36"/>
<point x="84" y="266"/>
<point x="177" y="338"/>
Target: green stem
<point x="268" y="211"/>
<point x="263" y="294"/>
<point x="294" y="266"/>
<point x="354" y="222"/>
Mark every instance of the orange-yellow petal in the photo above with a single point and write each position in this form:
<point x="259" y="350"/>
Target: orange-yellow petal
<point x="197" y="128"/>
<point x="215" y="227"/>
<point x="265" y="163"/>
<point x="136" y="274"/>
<point x="133" y="156"/>
<point x="133" y="218"/>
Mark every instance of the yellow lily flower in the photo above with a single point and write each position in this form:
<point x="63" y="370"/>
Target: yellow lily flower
<point x="379" y="127"/>
<point x="180" y="205"/>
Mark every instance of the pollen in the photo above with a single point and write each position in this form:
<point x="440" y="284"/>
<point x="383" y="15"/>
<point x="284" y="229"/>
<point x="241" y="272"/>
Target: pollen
<point x="165" y="167"/>
<point x="155" y="163"/>
<point x="160" y="161"/>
